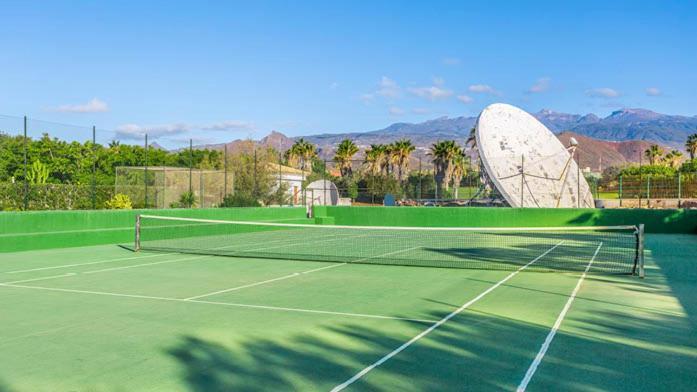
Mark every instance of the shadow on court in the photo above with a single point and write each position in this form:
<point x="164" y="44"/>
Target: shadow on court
<point x="614" y="350"/>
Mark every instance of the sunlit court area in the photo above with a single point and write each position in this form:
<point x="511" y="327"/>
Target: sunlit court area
<point x="348" y="196"/>
<point x="266" y="299"/>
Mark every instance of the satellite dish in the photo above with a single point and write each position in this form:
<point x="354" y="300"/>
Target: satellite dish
<point x="322" y="192"/>
<point x="526" y="163"/>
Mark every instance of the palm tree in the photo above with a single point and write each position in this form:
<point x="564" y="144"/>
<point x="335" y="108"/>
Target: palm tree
<point x="344" y="153"/>
<point x="653" y="153"/>
<point x="472" y="139"/>
<point x="691" y="145"/>
<point x="444" y="153"/>
<point x="302" y="151"/>
<point x="401" y="151"/>
<point x="459" y="170"/>
<point x="373" y="158"/>
<point x="673" y="158"/>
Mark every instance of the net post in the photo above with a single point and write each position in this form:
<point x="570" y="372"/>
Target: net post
<point x="640" y="254"/>
<point x="137" y="239"/>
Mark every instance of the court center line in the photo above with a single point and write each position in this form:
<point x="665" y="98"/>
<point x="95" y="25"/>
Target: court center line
<point x="296" y="274"/>
<point x="88" y="263"/>
<point x="440" y="322"/>
<point x="557" y="324"/>
<point x="217" y="303"/>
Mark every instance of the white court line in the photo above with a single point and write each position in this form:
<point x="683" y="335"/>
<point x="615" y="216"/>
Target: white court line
<point x="44" y="278"/>
<point x="437" y="324"/>
<point x="145" y="264"/>
<point x="230" y="304"/>
<point x="295" y="274"/>
<point x="89" y="263"/>
<point x="543" y="350"/>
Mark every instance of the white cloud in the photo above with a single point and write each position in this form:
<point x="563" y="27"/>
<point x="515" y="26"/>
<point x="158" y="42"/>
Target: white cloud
<point x="388" y="88"/>
<point x="231" y="125"/>
<point x="431" y="93"/>
<point x="482" y="89"/>
<point x="420" y="111"/>
<point x="654" y="92"/>
<point x="602" y="92"/>
<point x="395" y="111"/>
<point x="137" y="132"/>
<point x="95" y="105"/>
<point x="367" y="98"/>
<point x="465" y="99"/>
<point x="451" y="61"/>
<point x="540" y="86"/>
<point x="334" y="86"/>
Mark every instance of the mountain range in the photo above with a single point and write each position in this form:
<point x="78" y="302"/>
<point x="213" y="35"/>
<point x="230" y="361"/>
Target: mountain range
<point x="614" y="140"/>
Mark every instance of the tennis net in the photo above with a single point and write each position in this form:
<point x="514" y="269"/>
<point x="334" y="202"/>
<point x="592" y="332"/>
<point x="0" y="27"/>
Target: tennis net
<point x="612" y="249"/>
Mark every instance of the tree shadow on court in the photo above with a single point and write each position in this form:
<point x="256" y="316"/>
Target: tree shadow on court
<point x="610" y="350"/>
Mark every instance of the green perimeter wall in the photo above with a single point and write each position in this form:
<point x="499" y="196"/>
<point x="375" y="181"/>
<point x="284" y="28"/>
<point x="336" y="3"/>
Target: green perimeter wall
<point x="655" y="221"/>
<point x="61" y="229"/>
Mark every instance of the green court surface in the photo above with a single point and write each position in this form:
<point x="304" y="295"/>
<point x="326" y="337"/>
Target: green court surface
<point x="105" y="318"/>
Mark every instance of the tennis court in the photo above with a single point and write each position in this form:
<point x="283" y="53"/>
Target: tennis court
<point x="322" y="309"/>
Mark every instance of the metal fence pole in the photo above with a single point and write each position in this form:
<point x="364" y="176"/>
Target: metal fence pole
<point x="420" y="184"/>
<point x="94" y="167"/>
<point x="254" y="186"/>
<point x="191" y="166"/>
<point x="145" y="176"/>
<point x="324" y="183"/>
<point x="26" y="180"/>
<point x="224" y="171"/>
<point x="522" y="180"/>
<point x="620" y="190"/>
<point x="280" y="179"/>
<point x="679" y="188"/>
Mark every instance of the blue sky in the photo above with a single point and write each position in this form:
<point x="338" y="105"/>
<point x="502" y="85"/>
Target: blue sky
<point x="218" y="71"/>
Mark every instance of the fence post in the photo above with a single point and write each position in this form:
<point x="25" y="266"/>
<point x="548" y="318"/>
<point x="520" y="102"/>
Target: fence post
<point x="191" y="166"/>
<point x="94" y="167"/>
<point x="420" y="184"/>
<point x="679" y="188"/>
<point x="254" y="186"/>
<point x="280" y="179"/>
<point x="145" y="175"/>
<point x="26" y="180"/>
<point x="522" y="180"/>
<point x="224" y="172"/>
<point x="620" y="190"/>
<point x="648" y="191"/>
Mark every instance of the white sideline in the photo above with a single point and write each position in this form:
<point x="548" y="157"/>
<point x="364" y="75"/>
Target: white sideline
<point x="88" y="263"/>
<point x="437" y="324"/>
<point x="545" y="346"/>
<point x="230" y="304"/>
<point x="295" y="274"/>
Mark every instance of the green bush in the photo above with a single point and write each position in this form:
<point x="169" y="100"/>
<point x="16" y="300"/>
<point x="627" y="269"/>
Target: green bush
<point x="186" y="200"/>
<point x="119" y="202"/>
<point x="240" y="199"/>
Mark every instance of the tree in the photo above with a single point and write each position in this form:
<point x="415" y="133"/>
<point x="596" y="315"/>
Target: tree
<point x="460" y="167"/>
<point x="653" y="154"/>
<point x="472" y="139"/>
<point x="344" y="154"/>
<point x="302" y="152"/>
<point x="376" y="159"/>
<point x="401" y="151"/>
<point x="673" y="159"/>
<point x="444" y="153"/>
<point x="691" y="145"/>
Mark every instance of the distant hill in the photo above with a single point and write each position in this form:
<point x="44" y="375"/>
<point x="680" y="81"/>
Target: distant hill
<point x="614" y="140"/>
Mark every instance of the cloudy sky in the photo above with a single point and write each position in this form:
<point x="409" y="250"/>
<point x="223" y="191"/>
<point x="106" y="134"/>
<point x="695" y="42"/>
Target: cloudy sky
<point x="227" y="69"/>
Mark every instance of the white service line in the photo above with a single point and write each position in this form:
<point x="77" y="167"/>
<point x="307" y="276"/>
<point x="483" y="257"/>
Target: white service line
<point x="440" y="322"/>
<point x="44" y="278"/>
<point x="145" y="264"/>
<point x="230" y="304"/>
<point x="296" y="274"/>
<point x="88" y="263"/>
<point x="545" y="346"/>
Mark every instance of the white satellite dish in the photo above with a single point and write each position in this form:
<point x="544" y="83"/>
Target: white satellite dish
<point x="527" y="164"/>
<point x="322" y="192"/>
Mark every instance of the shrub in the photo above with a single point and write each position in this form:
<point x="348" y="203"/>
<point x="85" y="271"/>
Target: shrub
<point x="240" y="199"/>
<point x="119" y="202"/>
